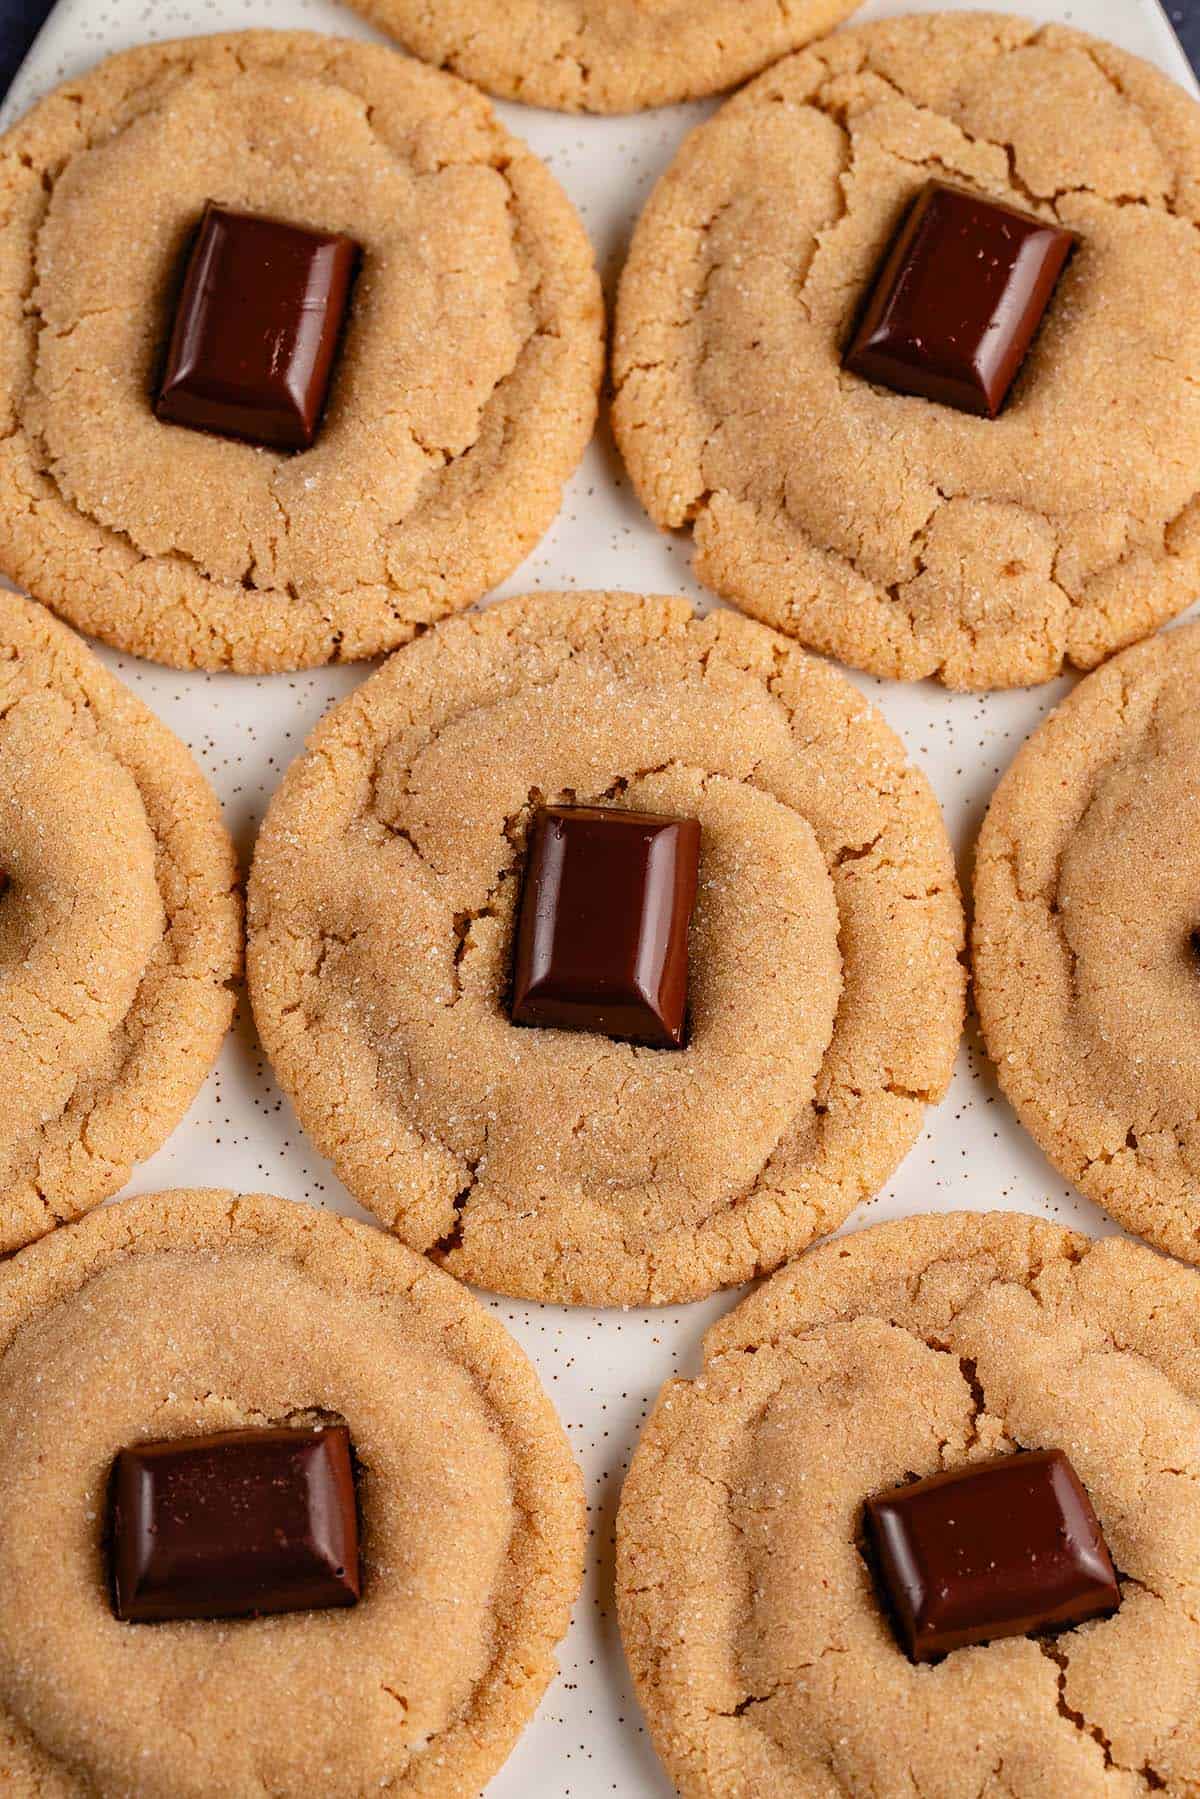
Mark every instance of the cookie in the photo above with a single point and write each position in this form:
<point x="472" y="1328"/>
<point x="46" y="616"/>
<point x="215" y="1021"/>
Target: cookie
<point x="461" y="398"/>
<point x="899" y="534"/>
<point x="604" y="55"/>
<point x="1086" y="952"/>
<point x="760" y="1645"/>
<point x="824" y="987"/>
<point x="120" y="927"/>
<point x="134" y="1326"/>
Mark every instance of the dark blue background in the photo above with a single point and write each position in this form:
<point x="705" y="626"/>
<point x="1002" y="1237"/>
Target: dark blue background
<point x="1186" y="19"/>
<point x="20" y="19"/>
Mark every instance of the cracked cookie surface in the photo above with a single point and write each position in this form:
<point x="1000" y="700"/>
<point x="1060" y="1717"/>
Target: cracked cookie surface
<point x="826" y="989"/>
<point x="464" y="394"/>
<point x="761" y="1654"/>
<point x="120" y="927"/>
<point x="899" y="535"/>
<point x="604" y="55"/>
<point x="1087" y="973"/>
<point x="133" y="1325"/>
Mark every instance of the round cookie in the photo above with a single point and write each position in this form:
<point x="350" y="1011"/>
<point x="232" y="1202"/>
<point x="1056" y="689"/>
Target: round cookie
<point x="905" y="537"/>
<point x="759" y="1648"/>
<point x="826" y="990"/>
<point x="120" y="927"/>
<point x="604" y="55"/>
<point x="134" y="1326"/>
<point x="1087" y="969"/>
<point x="463" y="398"/>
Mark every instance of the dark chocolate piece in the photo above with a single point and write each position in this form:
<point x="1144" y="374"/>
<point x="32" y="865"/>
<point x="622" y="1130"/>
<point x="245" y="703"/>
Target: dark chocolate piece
<point x="257" y="328"/>
<point x="992" y="1550"/>
<point x="245" y="1522"/>
<point x="602" y="942"/>
<point x="958" y="299"/>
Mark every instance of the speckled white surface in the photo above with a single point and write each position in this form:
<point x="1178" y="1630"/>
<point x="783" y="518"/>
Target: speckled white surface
<point x="602" y="1368"/>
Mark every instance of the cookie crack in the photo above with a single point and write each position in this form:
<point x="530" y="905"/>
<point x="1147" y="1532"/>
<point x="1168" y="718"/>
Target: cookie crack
<point x="840" y="113"/>
<point x="752" y="1700"/>
<point x="464" y="922"/>
<point x="1068" y="1252"/>
<point x="857" y="852"/>
<point x="1053" y="1650"/>
<point x="452" y="1239"/>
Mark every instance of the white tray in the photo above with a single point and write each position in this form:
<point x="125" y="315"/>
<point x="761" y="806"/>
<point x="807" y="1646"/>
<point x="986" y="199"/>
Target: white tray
<point x="601" y="1368"/>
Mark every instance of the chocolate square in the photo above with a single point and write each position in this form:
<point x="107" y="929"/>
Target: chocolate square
<point x="992" y="1550"/>
<point x="958" y="299"/>
<point x="243" y="1522"/>
<point x="257" y="327"/>
<point x="602" y="940"/>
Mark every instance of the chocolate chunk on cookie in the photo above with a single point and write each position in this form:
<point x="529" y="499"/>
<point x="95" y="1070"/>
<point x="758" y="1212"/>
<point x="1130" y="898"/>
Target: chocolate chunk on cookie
<point x="989" y="1550"/>
<point x="602" y="933"/>
<point x="243" y="1523"/>
<point x="956" y="304"/>
<point x="257" y="329"/>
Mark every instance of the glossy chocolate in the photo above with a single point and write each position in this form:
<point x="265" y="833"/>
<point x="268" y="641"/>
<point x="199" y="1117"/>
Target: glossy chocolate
<point x="991" y="1550"/>
<point x="225" y="1526"/>
<point x="257" y="328"/>
<point x="958" y="299"/>
<point x="602" y="941"/>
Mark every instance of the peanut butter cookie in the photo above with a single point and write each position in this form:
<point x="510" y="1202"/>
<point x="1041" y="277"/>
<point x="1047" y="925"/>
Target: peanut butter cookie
<point x="751" y="1610"/>
<point x="1087" y="938"/>
<point x="120" y="927"/>
<point x="461" y="384"/>
<point x="824" y="994"/>
<point x="604" y="55"/>
<point x="179" y="1319"/>
<point x="899" y="533"/>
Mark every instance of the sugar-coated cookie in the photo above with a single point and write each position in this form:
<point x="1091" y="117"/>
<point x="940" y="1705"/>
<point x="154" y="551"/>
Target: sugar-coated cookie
<point x="825" y="990"/>
<point x="189" y="1315"/>
<point x="1087" y="938"/>
<point x="898" y="533"/>
<point x="462" y="393"/>
<point x="120" y="927"/>
<point x="604" y="55"/>
<point x="753" y="1619"/>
